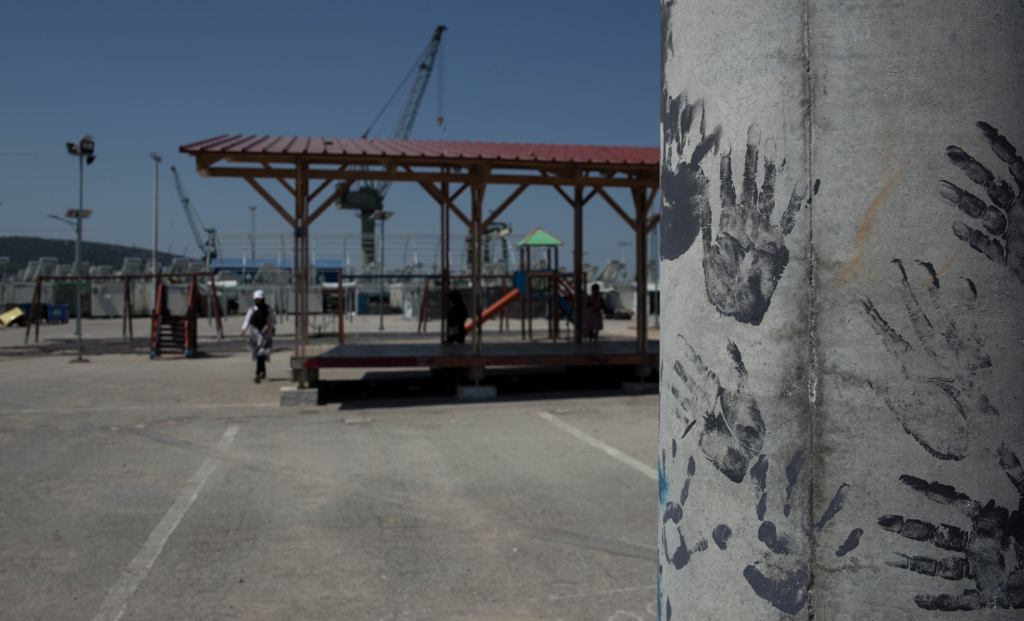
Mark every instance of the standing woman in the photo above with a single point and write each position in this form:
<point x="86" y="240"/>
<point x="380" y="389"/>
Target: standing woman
<point x="259" y="328"/>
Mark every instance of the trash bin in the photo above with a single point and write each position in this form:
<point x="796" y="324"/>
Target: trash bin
<point x="57" y="313"/>
<point x="27" y="309"/>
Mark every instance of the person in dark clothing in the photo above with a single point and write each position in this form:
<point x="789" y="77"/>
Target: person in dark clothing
<point x="259" y="328"/>
<point x="457" y="315"/>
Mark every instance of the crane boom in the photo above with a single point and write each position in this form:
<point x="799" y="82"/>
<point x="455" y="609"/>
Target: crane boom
<point x="369" y="198"/>
<point x="209" y="247"/>
<point x="412" y="104"/>
<point x="419" y="87"/>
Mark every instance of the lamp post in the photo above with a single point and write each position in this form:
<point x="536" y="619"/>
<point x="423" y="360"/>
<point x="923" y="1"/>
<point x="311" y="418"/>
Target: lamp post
<point x="381" y="216"/>
<point x="84" y="149"/>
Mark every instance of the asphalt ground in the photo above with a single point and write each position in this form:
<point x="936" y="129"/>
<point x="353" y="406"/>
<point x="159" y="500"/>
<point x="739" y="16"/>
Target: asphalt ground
<point x="178" y="489"/>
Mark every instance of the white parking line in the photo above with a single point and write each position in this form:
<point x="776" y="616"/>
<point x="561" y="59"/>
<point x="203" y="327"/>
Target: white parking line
<point x="592" y="441"/>
<point x="117" y="598"/>
<point x="131" y="408"/>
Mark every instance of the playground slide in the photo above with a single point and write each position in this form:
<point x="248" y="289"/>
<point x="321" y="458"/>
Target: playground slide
<point x="495" y="308"/>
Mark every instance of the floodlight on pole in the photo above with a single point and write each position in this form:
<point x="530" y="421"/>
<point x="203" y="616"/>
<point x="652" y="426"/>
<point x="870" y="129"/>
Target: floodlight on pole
<point x="381" y="216"/>
<point x="84" y="149"/>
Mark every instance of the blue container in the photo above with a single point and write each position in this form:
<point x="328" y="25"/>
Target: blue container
<point x="57" y="313"/>
<point x="362" y="304"/>
<point x="27" y="309"/>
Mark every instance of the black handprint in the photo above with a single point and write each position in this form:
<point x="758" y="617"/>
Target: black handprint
<point x="788" y="592"/>
<point x="1004" y="220"/>
<point x="739" y="285"/>
<point x="673" y="512"/>
<point x="731" y="427"/>
<point x="993" y="549"/>
<point x="938" y="398"/>
<point x="683" y="188"/>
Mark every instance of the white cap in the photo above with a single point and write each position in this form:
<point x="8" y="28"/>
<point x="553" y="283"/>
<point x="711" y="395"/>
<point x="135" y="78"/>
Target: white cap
<point x="258" y="294"/>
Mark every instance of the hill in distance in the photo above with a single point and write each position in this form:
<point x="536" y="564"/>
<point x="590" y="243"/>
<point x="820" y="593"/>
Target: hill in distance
<point x="21" y="250"/>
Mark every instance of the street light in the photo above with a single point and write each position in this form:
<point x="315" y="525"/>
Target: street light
<point x="381" y="216"/>
<point x="84" y="150"/>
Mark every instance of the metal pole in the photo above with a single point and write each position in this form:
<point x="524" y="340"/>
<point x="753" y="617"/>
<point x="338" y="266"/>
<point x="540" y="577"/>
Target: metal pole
<point x="380" y="303"/>
<point x="78" y="259"/>
<point x="156" y="211"/>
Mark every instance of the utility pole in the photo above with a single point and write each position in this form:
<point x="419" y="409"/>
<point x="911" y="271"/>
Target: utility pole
<point x="156" y="211"/>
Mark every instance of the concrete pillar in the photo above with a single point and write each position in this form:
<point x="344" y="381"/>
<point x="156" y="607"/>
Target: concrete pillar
<point x="842" y="250"/>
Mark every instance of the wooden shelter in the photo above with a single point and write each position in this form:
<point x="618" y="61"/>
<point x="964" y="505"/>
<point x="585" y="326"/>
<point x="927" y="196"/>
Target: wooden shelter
<point x="317" y="171"/>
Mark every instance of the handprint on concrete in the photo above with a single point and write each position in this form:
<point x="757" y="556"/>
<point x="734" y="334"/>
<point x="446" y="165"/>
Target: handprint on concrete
<point x="937" y="399"/>
<point x="743" y="267"/>
<point x="1003" y="220"/>
<point x="744" y="262"/>
<point x="679" y="554"/>
<point x="730" y="424"/>
<point x="684" y="188"/>
<point x="993" y="547"/>
<point x="672" y="511"/>
<point x="781" y="578"/>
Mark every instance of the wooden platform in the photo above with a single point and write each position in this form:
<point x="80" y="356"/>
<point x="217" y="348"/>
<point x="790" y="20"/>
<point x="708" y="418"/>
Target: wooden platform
<point x="494" y="355"/>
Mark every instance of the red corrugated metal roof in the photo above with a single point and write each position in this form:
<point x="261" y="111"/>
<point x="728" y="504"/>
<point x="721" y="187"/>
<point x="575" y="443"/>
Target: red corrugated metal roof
<point x="513" y="151"/>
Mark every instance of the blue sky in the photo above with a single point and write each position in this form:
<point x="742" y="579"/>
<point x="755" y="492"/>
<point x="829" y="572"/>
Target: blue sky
<point x="145" y="77"/>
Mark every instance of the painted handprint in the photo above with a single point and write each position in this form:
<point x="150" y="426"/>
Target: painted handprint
<point x="746" y="261"/>
<point x="678" y="554"/>
<point x="684" y="187"/>
<point x="1002" y="240"/>
<point x="992" y="550"/>
<point x="729" y="422"/>
<point x="781" y="577"/>
<point x="937" y="399"/>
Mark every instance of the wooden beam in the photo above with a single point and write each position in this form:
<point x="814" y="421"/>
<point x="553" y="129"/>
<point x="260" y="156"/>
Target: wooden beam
<point x="431" y="177"/>
<point x="650" y="199"/>
<point x="611" y="202"/>
<point x="588" y="197"/>
<point x="326" y="183"/>
<point x="270" y="199"/>
<point x="652" y="222"/>
<point x="338" y="191"/>
<point x="508" y="201"/>
<point x="267" y="166"/>
<point x="444" y="200"/>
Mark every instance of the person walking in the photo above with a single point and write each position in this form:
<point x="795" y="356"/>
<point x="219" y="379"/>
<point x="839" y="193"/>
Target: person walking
<point x="457" y="315"/>
<point x="259" y="328"/>
<point x="593" y="309"/>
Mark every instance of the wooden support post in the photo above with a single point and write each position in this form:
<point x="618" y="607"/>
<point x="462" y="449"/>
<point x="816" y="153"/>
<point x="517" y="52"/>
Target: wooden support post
<point x="504" y="312"/>
<point x="445" y="256"/>
<point x="579" y="292"/>
<point x="421" y="326"/>
<point x="477" y="191"/>
<point x="522" y="298"/>
<point x="33" y="310"/>
<point x="341" y="307"/>
<point x="125" y="311"/>
<point x="215" y="301"/>
<point x="529" y="297"/>
<point x="640" y="228"/>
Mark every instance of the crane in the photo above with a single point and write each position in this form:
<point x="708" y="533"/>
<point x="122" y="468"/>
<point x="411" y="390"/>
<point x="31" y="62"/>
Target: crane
<point x="370" y="196"/>
<point x="210" y="248"/>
